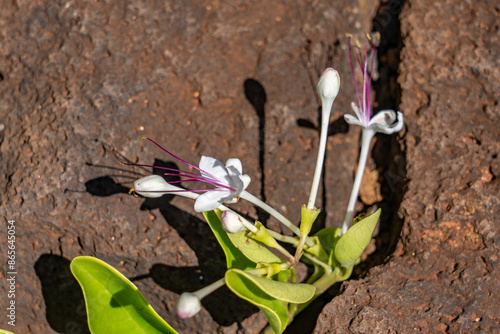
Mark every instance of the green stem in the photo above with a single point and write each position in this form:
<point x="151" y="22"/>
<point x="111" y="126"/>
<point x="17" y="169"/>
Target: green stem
<point x="314" y="259"/>
<point x="254" y="200"/>
<point x="203" y="292"/>
<point x="283" y="238"/>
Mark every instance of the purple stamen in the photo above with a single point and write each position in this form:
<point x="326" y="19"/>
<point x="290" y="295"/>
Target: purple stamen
<point x="176" y="157"/>
<point x="366" y="70"/>
<point x="189" y="177"/>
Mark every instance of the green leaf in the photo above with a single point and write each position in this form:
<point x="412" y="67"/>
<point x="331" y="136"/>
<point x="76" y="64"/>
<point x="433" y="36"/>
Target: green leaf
<point x="3" y="331"/>
<point x="234" y="257"/>
<point x="245" y="288"/>
<point x="114" y="304"/>
<point x="252" y="249"/>
<point x="352" y="244"/>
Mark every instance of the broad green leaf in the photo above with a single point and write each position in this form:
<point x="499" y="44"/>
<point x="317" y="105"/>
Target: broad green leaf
<point x="114" y="304"/>
<point x="352" y="244"/>
<point x="3" y="331"/>
<point x="287" y="292"/>
<point x="234" y="257"/>
<point x="252" y="249"/>
<point x="328" y="237"/>
<point x="273" y="309"/>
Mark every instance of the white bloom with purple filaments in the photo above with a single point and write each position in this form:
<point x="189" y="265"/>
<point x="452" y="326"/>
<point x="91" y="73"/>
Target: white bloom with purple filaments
<point x="386" y="121"/>
<point x="228" y="180"/>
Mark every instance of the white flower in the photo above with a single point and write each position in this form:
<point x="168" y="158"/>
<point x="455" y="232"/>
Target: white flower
<point x="228" y="180"/>
<point x="385" y="121"/>
<point x="188" y="305"/>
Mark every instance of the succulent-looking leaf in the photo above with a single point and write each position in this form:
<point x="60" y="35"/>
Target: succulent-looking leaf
<point x="3" y="331"/>
<point x="114" y="304"/>
<point x="234" y="257"/>
<point x="352" y="244"/>
<point x="252" y="249"/>
<point x="273" y="309"/>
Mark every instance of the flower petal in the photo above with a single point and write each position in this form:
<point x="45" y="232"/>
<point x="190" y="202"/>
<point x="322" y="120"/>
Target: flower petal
<point x="356" y="110"/>
<point x="211" y="167"/>
<point x="352" y="120"/>
<point x="381" y="123"/>
<point x="210" y="200"/>
<point x="246" y="180"/>
<point x="236" y="163"/>
<point x="384" y="117"/>
<point x="235" y="182"/>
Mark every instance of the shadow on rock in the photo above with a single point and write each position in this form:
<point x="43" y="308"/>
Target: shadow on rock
<point x="256" y="95"/>
<point x="62" y="294"/>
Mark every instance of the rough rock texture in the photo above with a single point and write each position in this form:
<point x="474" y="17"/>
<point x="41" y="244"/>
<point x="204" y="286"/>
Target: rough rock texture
<point x="444" y="275"/>
<point x="81" y="81"/>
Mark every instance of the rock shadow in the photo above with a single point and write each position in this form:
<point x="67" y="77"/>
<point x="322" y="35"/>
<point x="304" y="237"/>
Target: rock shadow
<point x="62" y="294"/>
<point x="256" y="95"/>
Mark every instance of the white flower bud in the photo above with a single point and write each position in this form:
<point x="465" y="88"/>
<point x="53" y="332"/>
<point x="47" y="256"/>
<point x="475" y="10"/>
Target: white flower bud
<point x="328" y="84"/>
<point x="232" y="222"/>
<point x="152" y="186"/>
<point x="188" y="305"/>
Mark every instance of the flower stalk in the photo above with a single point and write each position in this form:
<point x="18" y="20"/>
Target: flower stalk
<point x="385" y="121"/>
<point x="328" y="89"/>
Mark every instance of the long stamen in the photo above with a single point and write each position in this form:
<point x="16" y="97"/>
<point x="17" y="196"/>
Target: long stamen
<point x="205" y="177"/>
<point x="176" y="157"/>
<point x="188" y="175"/>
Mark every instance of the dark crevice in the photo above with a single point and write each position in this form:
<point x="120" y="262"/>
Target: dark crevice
<point x="387" y="153"/>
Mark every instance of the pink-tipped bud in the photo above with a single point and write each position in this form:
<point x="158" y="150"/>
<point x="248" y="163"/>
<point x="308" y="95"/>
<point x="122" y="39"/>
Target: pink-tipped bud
<point x="188" y="305"/>
<point x="329" y="84"/>
<point x="232" y="222"/>
<point x="152" y="186"/>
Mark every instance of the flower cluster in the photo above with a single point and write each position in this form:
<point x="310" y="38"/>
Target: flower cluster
<point x="228" y="184"/>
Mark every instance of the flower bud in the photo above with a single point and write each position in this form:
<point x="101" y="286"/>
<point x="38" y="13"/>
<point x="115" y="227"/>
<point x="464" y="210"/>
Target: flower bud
<point x="188" y="305"/>
<point x="329" y="84"/>
<point x="152" y="186"/>
<point x="232" y="222"/>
